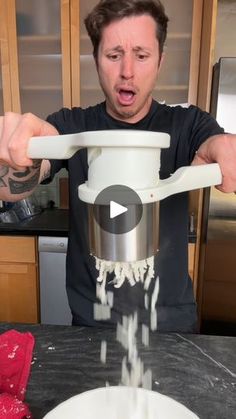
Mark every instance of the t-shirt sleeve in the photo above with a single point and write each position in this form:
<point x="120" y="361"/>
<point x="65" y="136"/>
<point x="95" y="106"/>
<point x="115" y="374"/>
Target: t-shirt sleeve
<point x="203" y="126"/>
<point x="58" y="120"/>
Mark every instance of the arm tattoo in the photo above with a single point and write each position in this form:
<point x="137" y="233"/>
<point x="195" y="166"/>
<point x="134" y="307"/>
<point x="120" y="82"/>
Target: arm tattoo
<point x="20" y="182"/>
<point x="36" y="164"/>
<point x="22" y="174"/>
<point x="3" y="172"/>
<point x="17" y="187"/>
<point x="2" y="183"/>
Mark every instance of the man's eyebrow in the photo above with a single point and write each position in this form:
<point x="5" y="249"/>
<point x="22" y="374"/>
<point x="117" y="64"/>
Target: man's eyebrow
<point x="119" y="48"/>
<point x="140" y="48"/>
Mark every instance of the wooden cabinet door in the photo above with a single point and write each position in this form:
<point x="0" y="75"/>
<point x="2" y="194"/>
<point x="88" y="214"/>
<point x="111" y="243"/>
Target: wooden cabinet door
<point x="36" y="59"/>
<point x="50" y="61"/>
<point x="219" y="288"/>
<point x="18" y="293"/>
<point x="208" y="36"/>
<point x="9" y="68"/>
<point x="19" y="249"/>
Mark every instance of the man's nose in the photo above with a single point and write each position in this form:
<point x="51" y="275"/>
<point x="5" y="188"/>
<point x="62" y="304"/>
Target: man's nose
<point x="127" y="67"/>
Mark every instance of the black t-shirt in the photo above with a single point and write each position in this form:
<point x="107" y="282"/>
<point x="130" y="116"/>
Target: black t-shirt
<point x="176" y="308"/>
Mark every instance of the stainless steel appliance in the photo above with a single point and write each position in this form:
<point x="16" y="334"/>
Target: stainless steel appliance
<point x="54" y="307"/>
<point x="218" y="252"/>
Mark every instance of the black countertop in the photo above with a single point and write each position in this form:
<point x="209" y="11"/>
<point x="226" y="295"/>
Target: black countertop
<point x="198" y="371"/>
<point x="50" y="222"/>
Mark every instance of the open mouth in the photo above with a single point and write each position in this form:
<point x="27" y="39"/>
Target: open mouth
<point x="126" y="96"/>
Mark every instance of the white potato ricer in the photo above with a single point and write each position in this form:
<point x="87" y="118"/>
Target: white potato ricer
<point x="127" y="158"/>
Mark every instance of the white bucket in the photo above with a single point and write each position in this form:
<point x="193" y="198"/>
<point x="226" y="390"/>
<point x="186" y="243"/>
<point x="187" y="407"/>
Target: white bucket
<point x="120" y="403"/>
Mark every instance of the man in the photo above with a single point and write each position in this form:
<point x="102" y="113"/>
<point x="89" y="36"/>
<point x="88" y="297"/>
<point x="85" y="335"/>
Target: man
<point x="128" y="38"/>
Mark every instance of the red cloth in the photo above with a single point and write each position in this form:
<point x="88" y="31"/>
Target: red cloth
<point x="13" y="408"/>
<point x="15" y="361"/>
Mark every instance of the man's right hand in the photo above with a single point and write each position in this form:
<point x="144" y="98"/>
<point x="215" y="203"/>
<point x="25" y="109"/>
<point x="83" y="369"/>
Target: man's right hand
<point x="19" y="175"/>
<point x="15" y="132"/>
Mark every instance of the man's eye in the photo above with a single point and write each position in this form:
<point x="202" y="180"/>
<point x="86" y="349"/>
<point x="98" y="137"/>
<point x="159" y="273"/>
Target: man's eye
<point x="142" y="57"/>
<point x="114" y="57"/>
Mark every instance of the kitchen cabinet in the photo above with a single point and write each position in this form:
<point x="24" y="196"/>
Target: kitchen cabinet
<point x="36" y="55"/>
<point x="1" y="91"/>
<point x="220" y="285"/>
<point x="46" y="63"/>
<point x="205" y="67"/>
<point x="19" y="293"/>
<point x="191" y="258"/>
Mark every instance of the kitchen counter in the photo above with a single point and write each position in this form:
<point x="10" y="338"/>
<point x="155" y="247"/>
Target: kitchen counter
<point x="198" y="371"/>
<point x="50" y="222"/>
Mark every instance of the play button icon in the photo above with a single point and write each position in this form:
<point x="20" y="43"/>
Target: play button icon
<point x="117" y="209"/>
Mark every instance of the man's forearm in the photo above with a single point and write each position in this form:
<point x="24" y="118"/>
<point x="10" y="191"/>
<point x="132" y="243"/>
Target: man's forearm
<point x="19" y="175"/>
<point x="220" y="149"/>
<point x="15" y="185"/>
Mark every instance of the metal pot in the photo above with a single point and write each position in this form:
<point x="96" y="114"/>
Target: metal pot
<point x="8" y="217"/>
<point x="26" y="208"/>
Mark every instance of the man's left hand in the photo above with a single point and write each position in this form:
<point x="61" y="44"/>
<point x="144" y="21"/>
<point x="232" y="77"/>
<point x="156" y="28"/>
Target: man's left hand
<point x="220" y="149"/>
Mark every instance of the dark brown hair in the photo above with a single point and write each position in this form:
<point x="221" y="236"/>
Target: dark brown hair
<point x="107" y="11"/>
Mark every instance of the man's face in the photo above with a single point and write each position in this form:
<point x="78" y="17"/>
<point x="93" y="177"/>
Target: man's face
<point x="128" y="65"/>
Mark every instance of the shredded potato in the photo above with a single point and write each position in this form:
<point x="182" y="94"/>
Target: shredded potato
<point x="132" y="367"/>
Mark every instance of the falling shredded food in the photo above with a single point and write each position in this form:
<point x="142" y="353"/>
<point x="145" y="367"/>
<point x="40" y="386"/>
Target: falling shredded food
<point x="132" y="271"/>
<point x="103" y="355"/>
<point x="132" y="368"/>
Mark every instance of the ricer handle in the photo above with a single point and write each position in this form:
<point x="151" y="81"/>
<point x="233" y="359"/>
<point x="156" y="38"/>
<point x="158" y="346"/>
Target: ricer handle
<point x="190" y="178"/>
<point x="54" y="147"/>
<point x="184" y="179"/>
<point x="65" y="146"/>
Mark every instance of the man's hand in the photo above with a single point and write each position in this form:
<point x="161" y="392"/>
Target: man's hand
<point x="15" y="132"/>
<point x="220" y="149"/>
<point x="19" y="175"/>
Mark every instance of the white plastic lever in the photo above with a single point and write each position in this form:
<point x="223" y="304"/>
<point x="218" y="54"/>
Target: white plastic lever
<point x="189" y="178"/>
<point x="54" y="147"/>
<point x="64" y="146"/>
<point x="185" y="179"/>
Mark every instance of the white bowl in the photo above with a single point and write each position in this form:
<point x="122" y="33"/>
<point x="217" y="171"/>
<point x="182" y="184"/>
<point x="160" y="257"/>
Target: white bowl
<point x="120" y="403"/>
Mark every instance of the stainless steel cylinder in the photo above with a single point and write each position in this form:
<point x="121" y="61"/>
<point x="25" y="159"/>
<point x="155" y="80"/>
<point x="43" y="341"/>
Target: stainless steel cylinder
<point x="140" y="243"/>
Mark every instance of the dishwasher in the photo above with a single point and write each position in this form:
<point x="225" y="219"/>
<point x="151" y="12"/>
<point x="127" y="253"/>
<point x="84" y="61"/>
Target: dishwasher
<point x="54" y="307"/>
